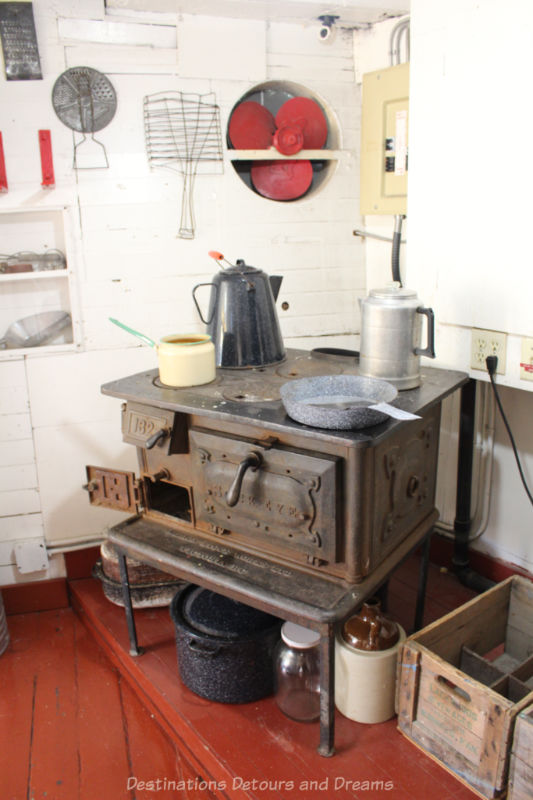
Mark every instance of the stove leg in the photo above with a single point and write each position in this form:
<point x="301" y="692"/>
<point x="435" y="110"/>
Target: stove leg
<point x="327" y="692"/>
<point x="422" y="583"/>
<point x="383" y="595"/>
<point x="128" y="608"/>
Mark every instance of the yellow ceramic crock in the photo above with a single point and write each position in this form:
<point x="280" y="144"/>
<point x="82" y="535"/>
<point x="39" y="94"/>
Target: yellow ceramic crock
<point x="186" y="359"/>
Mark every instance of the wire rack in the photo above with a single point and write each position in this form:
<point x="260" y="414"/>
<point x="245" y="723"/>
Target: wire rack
<point x="182" y="131"/>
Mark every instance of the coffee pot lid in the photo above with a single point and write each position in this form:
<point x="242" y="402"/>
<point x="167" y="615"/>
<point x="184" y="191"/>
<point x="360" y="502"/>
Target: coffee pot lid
<point x="393" y="292"/>
<point x="240" y="266"/>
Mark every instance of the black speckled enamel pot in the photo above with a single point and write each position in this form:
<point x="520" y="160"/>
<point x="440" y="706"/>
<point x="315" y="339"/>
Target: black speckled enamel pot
<point x="225" y="648"/>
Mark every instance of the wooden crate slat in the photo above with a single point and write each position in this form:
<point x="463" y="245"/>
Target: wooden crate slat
<point x="519" y="638"/>
<point x="496" y="745"/>
<point x="478" y="667"/>
<point x="521" y="768"/>
<point x="471" y="725"/>
<point x="452" y="760"/>
<point x="525" y="671"/>
<point x="407" y="686"/>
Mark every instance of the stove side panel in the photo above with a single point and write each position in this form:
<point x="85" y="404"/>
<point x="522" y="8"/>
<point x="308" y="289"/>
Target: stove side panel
<point x="405" y="475"/>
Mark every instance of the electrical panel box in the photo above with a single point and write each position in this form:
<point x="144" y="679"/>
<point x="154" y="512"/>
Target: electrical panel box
<point x="384" y="141"/>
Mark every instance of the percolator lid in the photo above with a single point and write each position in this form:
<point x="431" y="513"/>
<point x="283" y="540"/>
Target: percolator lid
<point x="393" y="291"/>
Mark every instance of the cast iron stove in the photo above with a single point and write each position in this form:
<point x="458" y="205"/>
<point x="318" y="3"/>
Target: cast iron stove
<point x="233" y="495"/>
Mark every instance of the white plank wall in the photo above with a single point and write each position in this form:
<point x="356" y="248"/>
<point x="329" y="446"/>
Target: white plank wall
<point x="129" y="261"/>
<point x="123" y="244"/>
<point x="20" y="507"/>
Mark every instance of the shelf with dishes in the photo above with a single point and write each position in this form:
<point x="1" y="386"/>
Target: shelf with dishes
<point x="38" y="304"/>
<point x="274" y="155"/>
<point x="35" y="316"/>
<point x="44" y="275"/>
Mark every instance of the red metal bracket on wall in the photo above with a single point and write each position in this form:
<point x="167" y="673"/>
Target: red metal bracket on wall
<point x="3" y="175"/>
<point x="47" y="164"/>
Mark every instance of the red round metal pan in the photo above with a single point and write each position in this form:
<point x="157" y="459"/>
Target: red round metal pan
<point x="282" y="180"/>
<point x="304" y="113"/>
<point x="288" y="140"/>
<point x="251" y="126"/>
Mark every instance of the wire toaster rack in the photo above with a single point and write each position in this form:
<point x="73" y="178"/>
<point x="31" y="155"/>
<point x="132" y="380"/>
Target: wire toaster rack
<point x="85" y="101"/>
<point x="182" y="132"/>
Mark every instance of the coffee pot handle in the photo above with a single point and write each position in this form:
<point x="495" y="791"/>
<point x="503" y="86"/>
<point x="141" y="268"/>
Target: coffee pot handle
<point x="198" y="285"/>
<point x="428" y="351"/>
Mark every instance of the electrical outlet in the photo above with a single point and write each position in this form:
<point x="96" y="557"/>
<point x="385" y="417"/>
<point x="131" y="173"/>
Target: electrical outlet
<point x="488" y="343"/>
<point x="526" y="362"/>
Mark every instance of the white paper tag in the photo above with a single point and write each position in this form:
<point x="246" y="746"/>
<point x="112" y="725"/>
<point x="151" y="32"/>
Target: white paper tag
<point x="400" y="160"/>
<point x="392" y="411"/>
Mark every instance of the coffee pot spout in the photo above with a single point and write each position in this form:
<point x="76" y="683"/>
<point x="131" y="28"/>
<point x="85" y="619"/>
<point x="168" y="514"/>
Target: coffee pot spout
<point x="275" y="283"/>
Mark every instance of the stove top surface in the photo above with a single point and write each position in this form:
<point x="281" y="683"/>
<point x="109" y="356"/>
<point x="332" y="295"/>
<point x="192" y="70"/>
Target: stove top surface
<point x="254" y="393"/>
<point x="262" y="384"/>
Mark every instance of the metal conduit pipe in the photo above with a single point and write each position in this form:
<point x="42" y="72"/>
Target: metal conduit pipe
<point x="394" y="41"/>
<point x="403" y="31"/>
<point x="463" y="520"/>
<point x="407" y="32"/>
<point x="396" y="241"/>
<point x="482" y="477"/>
<point x="70" y="545"/>
<point x="485" y="432"/>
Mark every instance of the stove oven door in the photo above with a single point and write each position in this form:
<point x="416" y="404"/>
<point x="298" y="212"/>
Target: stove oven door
<point x="267" y="498"/>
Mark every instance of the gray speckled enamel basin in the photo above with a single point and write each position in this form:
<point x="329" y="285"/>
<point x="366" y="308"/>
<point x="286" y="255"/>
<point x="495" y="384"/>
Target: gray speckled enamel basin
<point x="339" y="402"/>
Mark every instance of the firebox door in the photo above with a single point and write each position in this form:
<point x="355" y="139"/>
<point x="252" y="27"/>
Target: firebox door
<point x="112" y="488"/>
<point x="122" y="491"/>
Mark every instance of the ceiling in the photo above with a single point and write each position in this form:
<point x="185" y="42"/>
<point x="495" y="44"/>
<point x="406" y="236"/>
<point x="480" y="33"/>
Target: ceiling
<point x="350" y="12"/>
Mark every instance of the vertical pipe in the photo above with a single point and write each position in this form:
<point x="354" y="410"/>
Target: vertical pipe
<point x="396" y="243"/>
<point x="422" y="583"/>
<point x="463" y="518"/>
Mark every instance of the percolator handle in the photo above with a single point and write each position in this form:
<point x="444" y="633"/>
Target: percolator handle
<point x="429" y="350"/>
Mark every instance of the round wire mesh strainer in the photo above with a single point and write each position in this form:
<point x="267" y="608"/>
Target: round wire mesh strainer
<point x="84" y="99"/>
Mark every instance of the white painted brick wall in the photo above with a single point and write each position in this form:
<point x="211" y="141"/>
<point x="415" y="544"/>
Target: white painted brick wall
<point x="20" y="506"/>
<point x="130" y="262"/>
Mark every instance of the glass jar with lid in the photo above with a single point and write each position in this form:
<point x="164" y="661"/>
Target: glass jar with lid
<point x="297" y="673"/>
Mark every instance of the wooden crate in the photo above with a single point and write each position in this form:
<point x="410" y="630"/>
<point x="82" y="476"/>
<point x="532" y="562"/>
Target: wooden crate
<point x="463" y="680"/>
<point x="521" y="768"/>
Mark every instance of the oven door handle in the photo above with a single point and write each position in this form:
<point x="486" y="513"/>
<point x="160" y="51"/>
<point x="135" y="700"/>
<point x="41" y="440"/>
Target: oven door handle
<point x="253" y="460"/>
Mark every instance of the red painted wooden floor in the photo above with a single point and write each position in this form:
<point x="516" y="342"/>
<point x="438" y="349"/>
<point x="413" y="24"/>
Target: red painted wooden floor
<point x="78" y="725"/>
